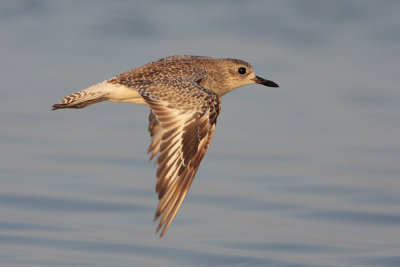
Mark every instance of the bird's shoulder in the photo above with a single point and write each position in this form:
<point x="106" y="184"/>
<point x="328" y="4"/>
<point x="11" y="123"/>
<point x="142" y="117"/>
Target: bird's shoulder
<point x="181" y="94"/>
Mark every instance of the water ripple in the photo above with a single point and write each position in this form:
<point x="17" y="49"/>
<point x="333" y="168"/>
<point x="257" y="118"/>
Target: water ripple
<point x="46" y="203"/>
<point x="356" y="217"/>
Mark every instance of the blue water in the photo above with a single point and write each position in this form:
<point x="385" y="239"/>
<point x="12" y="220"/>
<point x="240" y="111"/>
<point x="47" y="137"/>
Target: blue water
<point x="304" y="175"/>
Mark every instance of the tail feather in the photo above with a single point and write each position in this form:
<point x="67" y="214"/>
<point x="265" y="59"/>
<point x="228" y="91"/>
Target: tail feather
<point x="80" y="104"/>
<point x="106" y="90"/>
<point x="85" y="97"/>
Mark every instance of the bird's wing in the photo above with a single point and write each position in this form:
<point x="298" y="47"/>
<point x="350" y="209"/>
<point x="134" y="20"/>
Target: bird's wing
<point x="155" y="134"/>
<point x="182" y="120"/>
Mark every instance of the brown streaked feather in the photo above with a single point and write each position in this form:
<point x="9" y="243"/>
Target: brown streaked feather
<point x="180" y="139"/>
<point x="155" y="130"/>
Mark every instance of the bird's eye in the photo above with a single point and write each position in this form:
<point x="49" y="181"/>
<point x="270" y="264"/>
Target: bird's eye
<point x="242" y="70"/>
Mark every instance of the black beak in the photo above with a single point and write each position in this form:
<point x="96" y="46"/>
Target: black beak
<point x="262" y="81"/>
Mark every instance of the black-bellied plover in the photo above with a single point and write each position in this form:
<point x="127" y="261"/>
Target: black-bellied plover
<point x="184" y="97"/>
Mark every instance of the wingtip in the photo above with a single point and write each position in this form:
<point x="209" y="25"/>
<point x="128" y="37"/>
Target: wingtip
<point x="159" y="235"/>
<point x="160" y="226"/>
<point x="158" y="231"/>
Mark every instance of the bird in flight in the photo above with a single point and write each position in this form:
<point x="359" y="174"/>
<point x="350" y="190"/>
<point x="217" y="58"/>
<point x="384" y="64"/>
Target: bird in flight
<point x="184" y="97"/>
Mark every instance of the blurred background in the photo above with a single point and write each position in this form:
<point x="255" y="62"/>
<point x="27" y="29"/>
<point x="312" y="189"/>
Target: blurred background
<point x="303" y="175"/>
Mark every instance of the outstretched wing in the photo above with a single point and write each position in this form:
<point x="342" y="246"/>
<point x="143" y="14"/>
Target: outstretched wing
<point x="181" y="125"/>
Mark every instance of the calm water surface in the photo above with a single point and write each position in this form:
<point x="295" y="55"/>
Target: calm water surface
<point x="304" y="175"/>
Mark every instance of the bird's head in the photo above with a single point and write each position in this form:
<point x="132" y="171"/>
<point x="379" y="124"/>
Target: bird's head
<point x="238" y="73"/>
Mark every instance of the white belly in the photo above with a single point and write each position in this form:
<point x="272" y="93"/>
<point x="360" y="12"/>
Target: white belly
<point x="123" y="94"/>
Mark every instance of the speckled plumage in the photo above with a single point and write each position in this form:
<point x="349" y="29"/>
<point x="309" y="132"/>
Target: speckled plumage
<point x="184" y="96"/>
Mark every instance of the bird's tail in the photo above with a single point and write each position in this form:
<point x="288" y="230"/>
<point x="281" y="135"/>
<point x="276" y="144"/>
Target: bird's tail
<point x="86" y="97"/>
